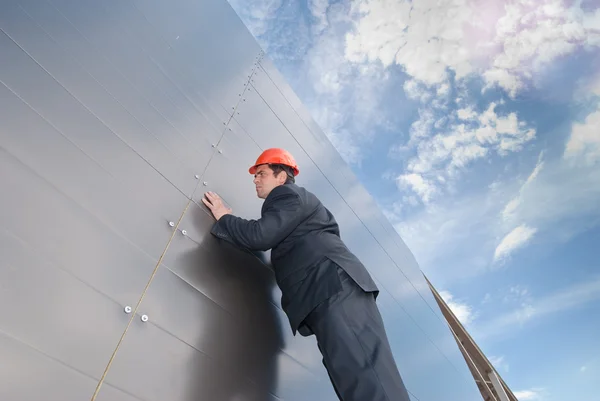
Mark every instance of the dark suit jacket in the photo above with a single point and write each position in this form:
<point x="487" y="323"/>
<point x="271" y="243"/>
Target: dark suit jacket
<point x="306" y="249"/>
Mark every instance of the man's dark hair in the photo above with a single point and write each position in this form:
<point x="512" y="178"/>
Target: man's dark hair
<point x="278" y="168"/>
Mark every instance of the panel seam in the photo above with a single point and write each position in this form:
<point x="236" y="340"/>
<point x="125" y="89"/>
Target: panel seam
<point x="140" y="300"/>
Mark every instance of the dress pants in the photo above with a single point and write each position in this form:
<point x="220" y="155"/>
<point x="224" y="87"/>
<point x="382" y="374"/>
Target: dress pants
<point x="355" y="348"/>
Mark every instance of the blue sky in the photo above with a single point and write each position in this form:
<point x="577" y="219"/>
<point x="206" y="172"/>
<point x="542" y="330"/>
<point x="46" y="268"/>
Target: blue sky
<point x="476" y="127"/>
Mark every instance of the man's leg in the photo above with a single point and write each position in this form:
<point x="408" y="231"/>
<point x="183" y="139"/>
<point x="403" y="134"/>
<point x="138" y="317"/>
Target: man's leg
<point x="355" y="347"/>
<point x="329" y="374"/>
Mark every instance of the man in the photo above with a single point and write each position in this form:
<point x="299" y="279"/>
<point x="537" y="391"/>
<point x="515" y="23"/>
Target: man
<point x="326" y="290"/>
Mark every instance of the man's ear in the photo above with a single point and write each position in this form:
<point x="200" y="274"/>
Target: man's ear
<point x="280" y="175"/>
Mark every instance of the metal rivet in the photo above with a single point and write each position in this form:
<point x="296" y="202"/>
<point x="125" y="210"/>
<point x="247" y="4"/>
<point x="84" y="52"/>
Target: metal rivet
<point x="127" y="309"/>
<point x="196" y="176"/>
<point x="220" y="151"/>
<point x="213" y="145"/>
<point x="184" y="232"/>
<point x="144" y="318"/>
<point x="172" y="224"/>
<point x="205" y="183"/>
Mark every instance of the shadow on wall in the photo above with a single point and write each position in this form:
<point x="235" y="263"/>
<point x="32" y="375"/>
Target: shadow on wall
<point x="244" y="343"/>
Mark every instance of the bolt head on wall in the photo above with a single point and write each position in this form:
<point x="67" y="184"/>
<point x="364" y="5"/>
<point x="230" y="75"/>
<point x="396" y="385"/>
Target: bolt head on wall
<point x="127" y="309"/>
<point x="144" y="318"/>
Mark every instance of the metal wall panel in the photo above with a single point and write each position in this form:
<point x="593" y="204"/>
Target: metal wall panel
<point x="116" y="117"/>
<point x="49" y="318"/>
<point x="33" y="376"/>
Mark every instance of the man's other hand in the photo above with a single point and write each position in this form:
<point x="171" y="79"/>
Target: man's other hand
<point x="215" y="204"/>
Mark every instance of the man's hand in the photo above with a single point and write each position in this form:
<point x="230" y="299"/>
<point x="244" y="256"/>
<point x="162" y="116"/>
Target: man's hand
<point x="215" y="204"/>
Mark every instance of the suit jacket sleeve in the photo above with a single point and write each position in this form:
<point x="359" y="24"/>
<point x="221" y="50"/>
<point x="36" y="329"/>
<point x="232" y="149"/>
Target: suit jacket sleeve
<point x="281" y="213"/>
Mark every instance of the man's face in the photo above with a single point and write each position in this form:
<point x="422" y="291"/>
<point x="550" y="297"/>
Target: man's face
<point x="265" y="180"/>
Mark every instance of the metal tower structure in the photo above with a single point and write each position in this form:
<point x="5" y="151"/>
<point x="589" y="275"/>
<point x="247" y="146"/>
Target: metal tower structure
<point x="490" y="383"/>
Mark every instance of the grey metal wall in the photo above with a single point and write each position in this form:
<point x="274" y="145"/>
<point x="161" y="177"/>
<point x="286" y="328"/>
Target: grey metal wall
<point x="115" y="117"/>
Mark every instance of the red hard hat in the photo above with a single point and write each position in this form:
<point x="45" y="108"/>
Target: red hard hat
<point x="275" y="156"/>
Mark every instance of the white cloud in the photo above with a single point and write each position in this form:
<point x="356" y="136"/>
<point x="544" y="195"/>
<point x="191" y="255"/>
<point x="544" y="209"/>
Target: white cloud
<point x="424" y="37"/>
<point x="504" y="79"/>
<point x="584" y="143"/>
<point x="511" y="207"/>
<point x="463" y="312"/>
<point x="443" y="90"/>
<point x="513" y="241"/>
<point x="466" y="114"/>
<point x="424" y="188"/>
<point x="530" y="36"/>
<point x="526" y="395"/>
<point x="505" y="42"/>
<point x="423" y="127"/>
<point x="469" y="137"/>
<point x="416" y="91"/>
<point x="536" y="170"/>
